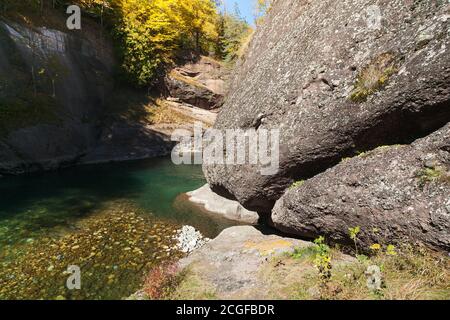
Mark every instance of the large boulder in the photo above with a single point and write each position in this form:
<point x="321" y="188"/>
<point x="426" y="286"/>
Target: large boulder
<point x="337" y="78"/>
<point x="393" y="193"/>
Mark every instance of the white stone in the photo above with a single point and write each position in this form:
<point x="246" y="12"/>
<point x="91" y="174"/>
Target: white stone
<point x="228" y="208"/>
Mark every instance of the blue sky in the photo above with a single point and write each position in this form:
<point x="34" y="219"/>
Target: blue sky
<point x="245" y="6"/>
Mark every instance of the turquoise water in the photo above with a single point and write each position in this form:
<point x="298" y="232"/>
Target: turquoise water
<point x="62" y="211"/>
<point x="53" y="198"/>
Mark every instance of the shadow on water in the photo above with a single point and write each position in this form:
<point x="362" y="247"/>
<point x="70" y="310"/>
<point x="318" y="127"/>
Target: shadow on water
<point x="73" y="190"/>
<point x="54" y="199"/>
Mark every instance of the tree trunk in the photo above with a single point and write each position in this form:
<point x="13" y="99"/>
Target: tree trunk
<point x="33" y="78"/>
<point x="54" y="89"/>
<point x="197" y="41"/>
<point x="101" y="30"/>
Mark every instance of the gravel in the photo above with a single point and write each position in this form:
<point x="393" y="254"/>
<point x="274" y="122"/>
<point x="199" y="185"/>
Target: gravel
<point x="189" y="239"/>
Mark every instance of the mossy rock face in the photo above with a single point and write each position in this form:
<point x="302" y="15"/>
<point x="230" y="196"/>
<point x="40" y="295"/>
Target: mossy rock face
<point x="374" y="76"/>
<point x="25" y="97"/>
<point x="54" y="86"/>
<point x="20" y="112"/>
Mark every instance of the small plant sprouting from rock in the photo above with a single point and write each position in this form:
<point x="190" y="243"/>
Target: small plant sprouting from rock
<point x="429" y="175"/>
<point x="375" y="247"/>
<point x="320" y="255"/>
<point x="297" y="184"/>
<point x="322" y="260"/>
<point x="353" y="232"/>
<point x="162" y="280"/>
<point x="362" y="154"/>
<point x="374" y="76"/>
<point x="302" y="253"/>
<point x="390" y="250"/>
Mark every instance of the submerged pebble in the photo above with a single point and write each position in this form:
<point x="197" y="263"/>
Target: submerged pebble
<point x="112" y="266"/>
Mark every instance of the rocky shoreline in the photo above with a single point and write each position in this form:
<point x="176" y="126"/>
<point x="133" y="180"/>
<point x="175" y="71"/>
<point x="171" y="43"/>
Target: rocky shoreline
<point x="228" y="265"/>
<point x="246" y="263"/>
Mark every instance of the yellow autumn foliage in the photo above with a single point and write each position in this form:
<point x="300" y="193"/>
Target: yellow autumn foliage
<point x="152" y="34"/>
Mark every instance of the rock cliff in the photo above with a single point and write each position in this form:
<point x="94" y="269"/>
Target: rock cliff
<point x="60" y="105"/>
<point x="53" y="87"/>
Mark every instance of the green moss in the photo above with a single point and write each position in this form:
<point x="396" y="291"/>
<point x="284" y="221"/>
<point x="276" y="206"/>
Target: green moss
<point x="366" y="154"/>
<point x="428" y="175"/>
<point x="362" y="154"/>
<point x="297" y="184"/>
<point x="25" y="111"/>
<point x="192" y="287"/>
<point x="305" y="253"/>
<point x="373" y="77"/>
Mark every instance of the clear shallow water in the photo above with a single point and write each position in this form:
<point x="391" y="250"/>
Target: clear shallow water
<point x="52" y="199"/>
<point x="55" y="209"/>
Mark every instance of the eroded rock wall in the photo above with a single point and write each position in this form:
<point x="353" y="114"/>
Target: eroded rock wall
<point x="54" y="86"/>
<point x="201" y="83"/>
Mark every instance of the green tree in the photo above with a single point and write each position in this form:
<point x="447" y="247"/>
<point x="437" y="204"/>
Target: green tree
<point x="235" y="33"/>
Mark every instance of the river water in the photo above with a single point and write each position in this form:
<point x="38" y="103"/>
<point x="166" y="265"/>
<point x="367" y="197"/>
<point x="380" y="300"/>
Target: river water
<point x="114" y="221"/>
